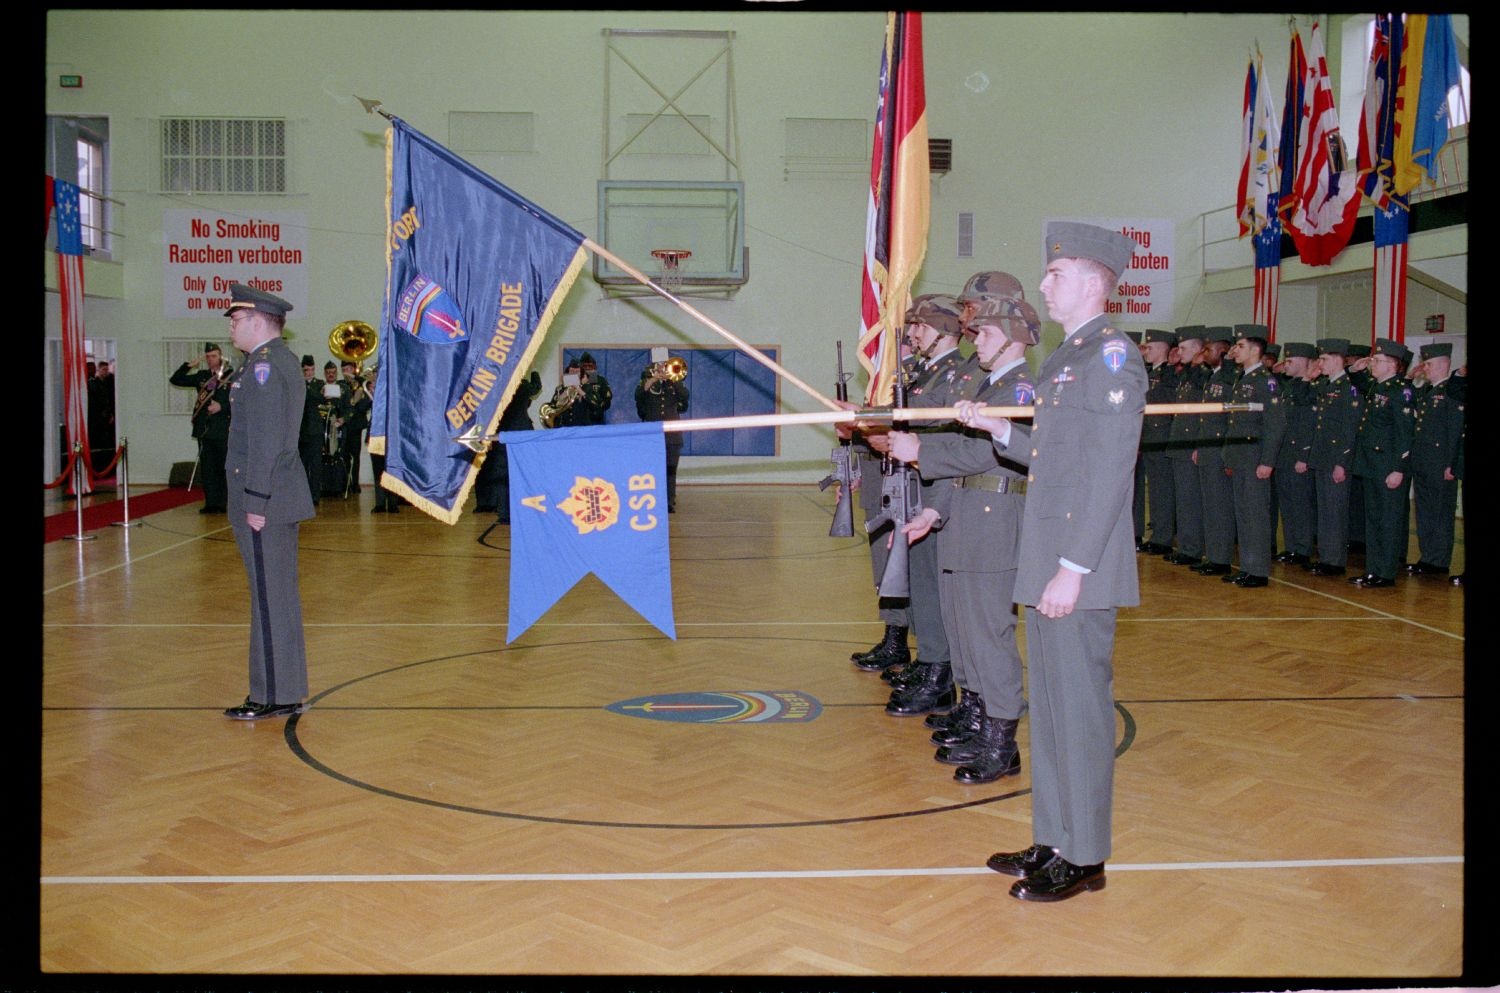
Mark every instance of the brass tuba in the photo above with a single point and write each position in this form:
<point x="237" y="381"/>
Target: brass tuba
<point x="353" y="341"/>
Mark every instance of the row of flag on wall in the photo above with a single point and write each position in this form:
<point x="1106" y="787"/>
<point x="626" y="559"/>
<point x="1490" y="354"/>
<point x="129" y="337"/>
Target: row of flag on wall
<point x="1298" y="177"/>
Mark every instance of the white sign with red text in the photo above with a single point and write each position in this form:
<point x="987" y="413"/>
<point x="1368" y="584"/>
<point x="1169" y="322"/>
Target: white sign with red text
<point x="203" y="251"/>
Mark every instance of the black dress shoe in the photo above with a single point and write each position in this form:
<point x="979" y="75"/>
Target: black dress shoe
<point x="1059" y="879"/>
<point x="1178" y="558"/>
<point x="1324" y="569"/>
<point x="1370" y="581"/>
<point x="252" y="711"/>
<point x="1425" y="569"/>
<point x="377" y="510"/>
<point x="1250" y="582"/>
<point x="1021" y="863"/>
<point x="1284" y="557"/>
<point x="1211" y="569"/>
<point x="1233" y="577"/>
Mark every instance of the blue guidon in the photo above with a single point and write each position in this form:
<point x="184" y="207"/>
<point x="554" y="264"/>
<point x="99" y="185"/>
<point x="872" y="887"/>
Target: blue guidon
<point x="734" y="707"/>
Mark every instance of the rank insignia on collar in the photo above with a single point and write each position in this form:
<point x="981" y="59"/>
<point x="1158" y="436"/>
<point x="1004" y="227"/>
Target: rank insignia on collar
<point x="1116" y="397"/>
<point x="262" y="372"/>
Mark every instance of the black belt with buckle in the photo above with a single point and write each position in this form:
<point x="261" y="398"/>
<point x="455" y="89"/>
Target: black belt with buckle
<point x="994" y="484"/>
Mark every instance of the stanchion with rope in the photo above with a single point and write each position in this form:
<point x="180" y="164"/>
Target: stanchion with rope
<point x="78" y="474"/>
<point x="122" y="458"/>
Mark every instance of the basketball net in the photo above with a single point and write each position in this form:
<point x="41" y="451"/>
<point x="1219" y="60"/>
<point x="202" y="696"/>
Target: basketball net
<point x="670" y="271"/>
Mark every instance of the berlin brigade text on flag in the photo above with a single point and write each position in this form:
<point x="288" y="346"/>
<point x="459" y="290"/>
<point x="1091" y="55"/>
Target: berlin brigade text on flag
<point x="589" y="499"/>
<point x="474" y="274"/>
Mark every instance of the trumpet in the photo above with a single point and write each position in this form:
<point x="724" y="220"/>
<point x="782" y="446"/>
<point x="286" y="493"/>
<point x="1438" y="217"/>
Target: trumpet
<point x="672" y="370"/>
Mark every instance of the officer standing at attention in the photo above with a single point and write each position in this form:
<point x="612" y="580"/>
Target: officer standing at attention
<point x="1077" y="562"/>
<point x="1337" y="403"/>
<point x="268" y="500"/>
<point x="659" y="397"/>
<point x="1218" y="491"/>
<point x="1293" y="478"/>
<point x="210" y="421"/>
<point x="1156" y="434"/>
<point x="1182" y="441"/>
<point x="1252" y="440"/>
<point x="1440" y="423"/>
<point x="1382" y="459"/>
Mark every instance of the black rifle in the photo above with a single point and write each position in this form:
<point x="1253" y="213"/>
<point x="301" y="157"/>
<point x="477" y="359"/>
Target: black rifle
<point x="845" y="465"/>
<point x="900" y="501"/>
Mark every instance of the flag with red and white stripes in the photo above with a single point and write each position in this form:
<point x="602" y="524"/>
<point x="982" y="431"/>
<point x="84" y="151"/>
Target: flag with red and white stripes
<point x="1327" y="194"/>
<point x="1391" y="227"/>
<point x="70" y="289"/>
<point x="899" y="206"/>
<point x="1376" y="161"/>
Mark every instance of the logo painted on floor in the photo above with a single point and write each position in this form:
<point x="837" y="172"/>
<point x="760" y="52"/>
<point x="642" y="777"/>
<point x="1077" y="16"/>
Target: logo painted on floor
<point x="742" y="707"/>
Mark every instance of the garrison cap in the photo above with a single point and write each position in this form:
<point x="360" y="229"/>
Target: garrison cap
<point x="1134" y="336"/>
<point x="938" y="312"/>
<point x="1394" y="349"/>
<point x="1016" y="319"/>
<point x="1157" y="334"/>
<point x="989" y="285"/>
<point x="329" y="365"/>
<point x="586" y="359"/>
<point x="309" y="360"/>
<point x="1272" y="350"/>
<point x="210" y="346"/>
<point x="1436" y="349"/>
<point x="243" y="297"/>
<point x="1194" y="331"/>
<point x="1251" y="331"/>
<point x="1333" y="346"/>
<point x="1358" y="351"/>
<point x="1222" y="332"/>
<point x="1071" y="240"/>
<point x="1300" y="349"/>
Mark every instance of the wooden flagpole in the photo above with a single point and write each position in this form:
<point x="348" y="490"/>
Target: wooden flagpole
<point x="880" y="415"/>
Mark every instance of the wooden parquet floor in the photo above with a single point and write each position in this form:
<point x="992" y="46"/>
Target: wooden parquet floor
<point x="1289" y="796"/>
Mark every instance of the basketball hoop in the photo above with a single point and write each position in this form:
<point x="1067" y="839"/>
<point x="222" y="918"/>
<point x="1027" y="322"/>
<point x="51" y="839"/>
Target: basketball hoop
<point x="669" y="270"/>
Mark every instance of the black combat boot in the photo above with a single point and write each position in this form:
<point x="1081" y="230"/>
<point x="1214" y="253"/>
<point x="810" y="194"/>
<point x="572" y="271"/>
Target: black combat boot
<point x="959" y="714"/>
<point x="936" y="690"/>
<point x="968" y="725"/>
<point x="890" y="651"/>
<point x="999" y="755"/>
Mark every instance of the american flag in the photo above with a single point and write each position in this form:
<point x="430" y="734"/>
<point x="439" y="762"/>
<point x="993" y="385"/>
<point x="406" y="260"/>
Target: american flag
<point x="1376" y="148"/>
<point x="1268" y="270"/>
<point x="1391" y="226"/>
<point x="70" y="289"/>
<point x="899" y="206"/>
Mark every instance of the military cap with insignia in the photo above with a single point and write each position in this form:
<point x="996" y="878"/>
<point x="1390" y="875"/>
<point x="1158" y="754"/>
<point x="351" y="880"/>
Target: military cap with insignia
<point x="329" y="365"/>
<point x="1157" y="334"/>
<point x="209" y="346"/>
<point x="1221" y="332"/>
<point x="309" y="360"/>
<point x="1358" y="351"/>
<point x="990" y="285"/>
<point x="1192" y="332"/>
<point x="1394" y="349"/>
<point x="1134" y="336"/>
<point x="1333" y="346"/>
<point x="1436" y="349"/>
<point x="1251" y="331"/>
<point x="1071" y="240"/>
<point x="936" y="311"/>
<point x="1016" y="319"/>
<point x="243" y="297"/>
<point x="1299" y="349"/>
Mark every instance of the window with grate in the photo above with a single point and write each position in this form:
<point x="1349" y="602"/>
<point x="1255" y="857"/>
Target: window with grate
<point x="223" y="155"/>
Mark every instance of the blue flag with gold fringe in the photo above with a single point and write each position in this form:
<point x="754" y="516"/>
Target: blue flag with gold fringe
<point x="474" y="275"/>
<point x="588" y="499"/>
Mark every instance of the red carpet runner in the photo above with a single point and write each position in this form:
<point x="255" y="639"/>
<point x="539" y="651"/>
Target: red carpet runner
<point x="102" y="515"/>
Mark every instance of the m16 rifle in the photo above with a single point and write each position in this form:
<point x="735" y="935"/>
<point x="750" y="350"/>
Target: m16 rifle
<point x="845" y="464"/>
<point x="900" y="501"/>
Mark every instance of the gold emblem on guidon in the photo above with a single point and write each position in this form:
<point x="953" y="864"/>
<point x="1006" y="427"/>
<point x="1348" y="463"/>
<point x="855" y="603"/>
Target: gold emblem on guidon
<point x="594" y="504"/>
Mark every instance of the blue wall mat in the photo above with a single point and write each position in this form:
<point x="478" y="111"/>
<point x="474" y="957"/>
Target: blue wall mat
<point x="721" y="382"/>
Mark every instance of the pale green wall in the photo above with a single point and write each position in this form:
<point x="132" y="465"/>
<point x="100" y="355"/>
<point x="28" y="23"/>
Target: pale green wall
<point x="1126" y="115"/>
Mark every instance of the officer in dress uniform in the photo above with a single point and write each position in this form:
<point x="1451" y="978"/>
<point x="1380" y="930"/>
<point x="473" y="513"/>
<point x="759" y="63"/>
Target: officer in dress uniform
<point x="978" y="537"/>
<point x="661" y="398"/>
<point x="1359" y="373"/>
<point x="1077" y="562"/>
<point x="268" y="500"/>
<point x="1293" y="477"/>
<point x="1382" y="459"/>
<point x="1337" y="404"/>
<point x="310" y="440"/>
<point x="1182" y="440"/>
<point x="1218" y="490"/>
<point x="210" y="422"/>
<point x="1252" y="441"/>
<point x="1156" y="434"/>
<point x="1440" y="422"/>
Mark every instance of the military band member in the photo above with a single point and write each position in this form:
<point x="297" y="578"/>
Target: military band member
<point x="210" y="422"/>
<point x="580" y="403"/>
<point x="978" y="540"/>
<point x="1156" y="434"/>
<point x="1382" y="459"/>
<point x="1182" y="440"/>
<point x="310" y="439"/>
<point x="658" y="397"/>
<point x="1252" y="441"/>
<point x="1077" y="562"/>
<point x="1439" y="425"/>
<point x="268" y="500"/>
<point x="1293" y="478"/>
<point x="1218" y="490"/>
<point x="596" y="392"/>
